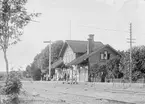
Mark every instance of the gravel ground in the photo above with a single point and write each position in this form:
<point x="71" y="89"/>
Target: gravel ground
<point x="48" y="95"/>
<point x="60" y="98"/>
<point x="58" y="93"/>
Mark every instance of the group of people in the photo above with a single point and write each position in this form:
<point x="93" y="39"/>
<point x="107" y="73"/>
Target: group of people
<point x="45" y="77"/>
<point x="66" y="77"/>
<point x="61" y="77"/>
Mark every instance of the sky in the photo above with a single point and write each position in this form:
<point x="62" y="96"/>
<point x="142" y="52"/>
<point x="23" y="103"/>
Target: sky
<point x="76" y="19"/>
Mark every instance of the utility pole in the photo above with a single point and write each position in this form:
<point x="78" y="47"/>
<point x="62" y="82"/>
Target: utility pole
<point x="50" y="59"/>
<point x="49" y="56"/>
<point x="130" y="55"/>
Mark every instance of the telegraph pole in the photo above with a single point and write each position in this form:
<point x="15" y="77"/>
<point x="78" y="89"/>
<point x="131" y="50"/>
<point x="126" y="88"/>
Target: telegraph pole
<point x="50" y="59"/>
<point x="49" y="56"/>
<point x="130" y="55"/>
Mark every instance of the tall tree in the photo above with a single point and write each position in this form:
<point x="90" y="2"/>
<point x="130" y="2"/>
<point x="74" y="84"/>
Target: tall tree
<point x="138" y="63"/>
<point x="56" y="48"/>
<point x="42" y="59"/>
<point x="35" y="72"/>
<point x="28" y="70"/>
<point x="13" y="18"/>
<point x="138" y="57"/>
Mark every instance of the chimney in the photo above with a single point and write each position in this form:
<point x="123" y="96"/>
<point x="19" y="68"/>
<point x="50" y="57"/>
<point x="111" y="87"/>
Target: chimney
<point x="90" y="44"/>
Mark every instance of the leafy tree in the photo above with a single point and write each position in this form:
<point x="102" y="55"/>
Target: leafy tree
<point x="113" y="66"/>
<point x="28" y="70"/>
<point x="124" y="63"/>
<point x="24" y="74"/>
<point x="94" y="69"/>
<point x="41" y="60"/>
<point x="56" y="48"/>
<point x="99" y="70"/>
<point x="138" y="58"/>
<point x="14" y="17"/>
<point x="138" y="63"/>
<point x="35" y="72"/>
<point x="104" y="72"/>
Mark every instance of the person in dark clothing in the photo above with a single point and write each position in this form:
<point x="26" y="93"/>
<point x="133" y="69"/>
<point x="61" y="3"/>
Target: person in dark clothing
<point x="65" y="76"/>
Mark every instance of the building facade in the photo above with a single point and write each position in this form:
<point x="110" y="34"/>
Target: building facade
<point x="78" y="56"/>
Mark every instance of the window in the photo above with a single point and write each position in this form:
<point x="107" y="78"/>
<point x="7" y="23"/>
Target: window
<point x="105" y="55"/>
<point x="102" y="56"/>
<point x="108" y="56"/>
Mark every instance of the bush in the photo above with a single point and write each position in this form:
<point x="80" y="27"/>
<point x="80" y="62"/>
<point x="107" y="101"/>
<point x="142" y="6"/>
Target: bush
<point x="37" y="75"/>
<point x="12" y="87"/>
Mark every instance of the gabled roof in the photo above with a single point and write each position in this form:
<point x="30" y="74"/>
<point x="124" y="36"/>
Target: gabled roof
<point x="78" y="60"/>
<point x="85" y="56"/>
<point x="78" y="46"/>
<point x="57" y="63"/>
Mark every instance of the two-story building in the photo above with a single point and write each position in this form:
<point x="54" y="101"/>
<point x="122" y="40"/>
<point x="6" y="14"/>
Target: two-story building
<point x="80" y="55"/>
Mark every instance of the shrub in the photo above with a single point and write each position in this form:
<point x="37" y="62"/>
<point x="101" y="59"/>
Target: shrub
<point x="12" y="87"/>
<point x="13" y="84"/>
<point x="37" y="75"/>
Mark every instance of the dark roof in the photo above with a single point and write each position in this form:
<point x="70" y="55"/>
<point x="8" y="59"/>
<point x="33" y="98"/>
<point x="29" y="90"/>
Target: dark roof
<point x="78" y="60"/>
<point x="85" y="56"/>
<point x="57" y="63"/>
<point x="99" y="49"/>
<point x="79" y="46"/>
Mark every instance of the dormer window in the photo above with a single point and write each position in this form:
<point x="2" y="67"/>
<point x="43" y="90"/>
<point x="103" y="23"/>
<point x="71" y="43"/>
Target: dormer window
<point x="108" y="56"/>
<point x="102" y="56"/>
<point x="105" y="55"/>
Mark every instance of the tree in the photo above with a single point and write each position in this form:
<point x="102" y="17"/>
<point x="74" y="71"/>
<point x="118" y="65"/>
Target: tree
<point x="41" y="60"/>
<point x="99" y="70"/>
<point x="138" y="58"/>
<point x="28" y="70"/>
<point x="103" y="71"/>
<point x="138" y="63"/>
<point x="56" y="48"/>
<point x="24" y="74"/>
<point x="35" y="72"/>
<point x="14" y="17"/>
<point x="114" y="67"/>
<point x="94" y="69"/>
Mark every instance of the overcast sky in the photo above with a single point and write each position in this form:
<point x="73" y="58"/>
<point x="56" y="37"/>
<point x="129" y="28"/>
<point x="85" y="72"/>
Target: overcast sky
<point x="86" y="17"/>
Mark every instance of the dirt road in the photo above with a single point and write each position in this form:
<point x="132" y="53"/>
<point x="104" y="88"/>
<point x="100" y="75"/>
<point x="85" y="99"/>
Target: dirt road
<point x="58" y="93"/>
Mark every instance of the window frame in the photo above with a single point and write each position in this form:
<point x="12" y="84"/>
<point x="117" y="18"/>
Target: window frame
<point x="105" y="52"/>
<point x="105" y="55"/>
<point x="101" y="53"/>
